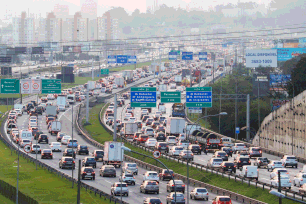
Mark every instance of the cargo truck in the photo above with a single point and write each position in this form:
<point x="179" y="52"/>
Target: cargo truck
<point x="178" y="110"/>
<point x="119" y="81"/>
<point x="61" y="102"/>
<point x="175" y="126"/>
<point x="51" y="111"/>
<point x="128" y="76"/>
<point x="129" y="130"/>
<point x="113" y="154"/>
<point x="55" y="127"/>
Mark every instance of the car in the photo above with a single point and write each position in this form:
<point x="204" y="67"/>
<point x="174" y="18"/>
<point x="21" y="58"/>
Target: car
<point x="273" y="164"/>
<point x="302" y="189"/>
<point x="183" y="143"/>
<point x="72" y="143"/>
<point x="68" y="152"/>
<point x="128" y="178"/>
<point x="274" y="173"/>
<point x="289" y="160"/>
<point x="25" y="142"/>
<point x="239" y="147"/>
<point x="199" y="194"/>
<point x="160" y="128"/>
<point x="88" y="172"/>
<point x="160" y="136"/>
<point x="150" y="143"/>
<point x="284" y="180"/>
<point x="149" y="131"/>
<point x="228" y="166"/>
<point x="150" y="175"/>
<point x="221" y="154"/>
<point x="186" y="155"/>
<point x="66" y="163"/>
<point x="107" y="170"/>
<point x="177" y="198"/>
<point x="241" y="161"/>
<point x="162" y="147"/>
<point x="179" y="186"/>
<point x="195" y="148"/>
<point x="36" y="148"/>
<point x="152" y="200"/>
<point x="89" y="161"/>
<point x="46" y="154"/>
<point x="132" y="119"/>
<point x="142" y="139"/>
<point x="149" y="187"/>
<point x="149" y="122"/>
<point x="171" y="140"/>
<point x="166" y="175"/>
<point x="56" y="146"/>
<point x="255" y="152"/>
<point x="82" y="149"/>
<point x="222" y="200"/>
<point x="98" y="155"/>
<point x="155" y="124"/>
<point x="43" y="138"/>
<point x="130" y="167"/>
<point x="119" y="188"/>
<point x="175" y="150"/>
<point x="299" y="179"/>
<point x="215" y="162"/>
<point x="261" y="162"/>
<point x="59" y="136"/>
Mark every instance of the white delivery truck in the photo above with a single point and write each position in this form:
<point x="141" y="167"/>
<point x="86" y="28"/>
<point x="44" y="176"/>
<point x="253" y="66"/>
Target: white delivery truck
<point x="119" y="81"/>
<point x="162" y="108"/>
<point x="113" y="154"/>
<point x="26" y="134"/>
<point x="249" y="171"/>
<point x="178" y="79"/>
<point x="61" y="102"/>
<point x="71" y="99"/>
<point x="129" y="129"/>
<point x="51" y="111"/>
<point x="55" y="127"/>
<point x="128" y="75"/>
<point x="175" y="126"/>
<point x="192" y="129"/>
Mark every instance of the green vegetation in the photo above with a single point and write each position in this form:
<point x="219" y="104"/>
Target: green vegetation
<point x="5" y="200"/>
<point x="101" y="135"/>
<point x="4" y="108"/>
<point x="40" y="184"/>
<point x="132" y="67"/>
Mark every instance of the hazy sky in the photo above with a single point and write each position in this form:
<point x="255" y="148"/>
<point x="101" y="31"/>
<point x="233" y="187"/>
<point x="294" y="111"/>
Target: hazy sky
<point x="44" y="6"/>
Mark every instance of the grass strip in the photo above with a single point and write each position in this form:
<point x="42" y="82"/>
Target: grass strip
<point x="40" y="184"/>
<point x="101" y="135"/>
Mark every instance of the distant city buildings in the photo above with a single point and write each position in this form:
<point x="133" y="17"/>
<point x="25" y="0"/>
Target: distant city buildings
<point x="23" y="29"/>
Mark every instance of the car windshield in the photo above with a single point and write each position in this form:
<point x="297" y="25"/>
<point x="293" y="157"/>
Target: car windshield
<point x="132" y="165"/>
<point x="68" y="159"/>
<point x="202" y="190"/>
<point x="224" y="199"/>
<point x="26" y="140"/>
<point x="244" y="159"/>
<point x="218" y="160"/>
<point x="90" y="159"/>
<point x="144" y="137"/>
<point x="291" y="158"/>
<point x="152" y="174"/>
<point x="69" y="150"/>
<point x="178" y="182"/>
<point x="240" y="145"/>
<point x="195" y="147"/>
<point x="157" y="200"/>
<point x="256" y="149"/>
<point x="36" y="146"/>
<point x="47" y="151"/>
<point x="179" y="148"/>
<point x="263" y="159"/>
<point x="99" y="152"/>
<point x="152" y="183"/>
<point x="222" y="154"/>
<point x="282" y="170"/>
<point x="178" y="195"/>
<point x="88" y="170"/>
<point x="83" y="147"/>
<point x="277" y="162"/>
<point x="163" y="144"/>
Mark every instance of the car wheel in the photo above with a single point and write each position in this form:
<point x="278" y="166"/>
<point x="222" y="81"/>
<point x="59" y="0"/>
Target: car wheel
<point x="127" y="195"/>
<point x="157" y="192"/>
<point x="94" y="178"/>
<point x="190" y="197"/>
<point x="296" y="166"/>
<point x="59" y="166"/>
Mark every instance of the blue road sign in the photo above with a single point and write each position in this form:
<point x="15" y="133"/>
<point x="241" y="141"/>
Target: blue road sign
<point x="111" y="59"/>
<point x="143" y="97"/>
<point x="132" y="59"/>
<point x="202" y="55"/>
<point x="237" y="130"/>
<point x="98" y="75"/>
<point x="187" y="55"/>
<point x="172" y="55"/>
<point x="122" y="59"/>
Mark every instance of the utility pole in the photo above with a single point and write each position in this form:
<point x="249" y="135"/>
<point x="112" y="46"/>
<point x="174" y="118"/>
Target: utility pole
<point x="79" y="183"/>
<point x="248" y="119"/>
<point x="279" y="186"/>
<point x="115" y="118"/>
<point x="72" y="138"/>
<point x="258" y="109"/>
<point x="236" y="76"/>
<point x="87" y="103"/>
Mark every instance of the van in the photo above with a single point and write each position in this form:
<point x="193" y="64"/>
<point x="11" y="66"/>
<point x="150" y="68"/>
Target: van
<point x="26" y="134"/>
<point x="227" y="142"/>
<point x="249" y="171"/>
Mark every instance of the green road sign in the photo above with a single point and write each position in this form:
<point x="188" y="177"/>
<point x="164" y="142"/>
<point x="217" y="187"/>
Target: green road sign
<point x="143" y="105"/>
<point x="199" y="89"/>
<point x="199" y="97"/>
<point x="143" y="88"/>
<point x="170" y="97"/>
<point x="202" y="105"/>
<point x="51" y="86"/>
<point x="10" y="86"/>
<point x="143" y="97"/>
<point x="105" y="71"/>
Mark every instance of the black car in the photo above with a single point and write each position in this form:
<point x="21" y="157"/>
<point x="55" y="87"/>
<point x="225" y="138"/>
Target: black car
<point x="162" y="146"/>
<point x="88" y="172"/>
<point x="69" y="153"/>
<point x="89" y="161"/>
<point x="67" y="163"/>
<point x="36" y="134"/>
<point x="166" y="175"/>
<point x="241" y="161"/>
<point x="228" y="166"/>
<point x="30" y="106"/>
<point x="46" y="154"/>
<point x="98" y="155"/>
<point x="39" y="110"/>
<point x="196" y="149"/>
<point x="228" y="151"/>
<point x="82" y="149"/>
<point x="34" y="130"/>
<point x="145" y="117"/>
<point x="43" y="138"/>
<point x="160" y="136"/>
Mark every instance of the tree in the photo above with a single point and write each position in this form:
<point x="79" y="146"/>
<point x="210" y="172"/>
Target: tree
<point x="298" y="78"/>
<point x="136" y="13"/>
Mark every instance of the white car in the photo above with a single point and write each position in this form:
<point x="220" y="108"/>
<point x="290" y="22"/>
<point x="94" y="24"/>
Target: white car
<point x="50" y="97"/>
<point x="175" y="150"/>
<point x="282" y="171"/>
<point x="273" y="164"/>
<point x="149" y="131"/>
<point x="183" y="143"/>
<point x="150" y="143"/>
<point x="159" y="113"/>
<point x="199" y="193"/>
<point x="36" y="148"/>
<point x="171" y="140"/>
<point x="49" y="103"/>
<point x="95" y="92"/>
<point x="25" y="142"/>
<point x="33" y="121"/>
<point x="288" y="160"/>
<point x="215" y="162"/>
<point x="239" y="147"/>
<point x="18" y="111"/>
<point x="151" y="176"/>
<point x="65" y="139"/>
<point x="132" y="119"/>
<point x="127" y="116"/>
<point x="115" y="86"/>
<point x="56" y="146"/>
<point x="103" y="89"/>
<point x="285" y="181"/>
<point x="144" y="112"/>
<point x="299" y="179"/>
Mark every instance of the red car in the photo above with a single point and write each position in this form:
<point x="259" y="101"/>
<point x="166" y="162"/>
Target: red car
<point x="142" y="139"/>
<point x="222" y="200"/>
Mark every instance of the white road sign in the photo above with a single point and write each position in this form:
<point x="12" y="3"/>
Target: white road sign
<point x="36" y="86"/>
<point x="27" y="148"/>
<point x="264" y="58"/>
<point x="156" y="154"/>
<point x="25" y="85"/>
<point x="91" y="85"/>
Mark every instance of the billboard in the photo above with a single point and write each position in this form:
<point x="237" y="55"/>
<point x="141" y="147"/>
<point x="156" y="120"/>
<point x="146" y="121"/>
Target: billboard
<point x="261" y="83"/>
<point x="276" y="103"/>
<point x="279" y="80"/>
<point x="20" y="50"/>
<point x="264" y="58"/>
<point x="284" y="54"/>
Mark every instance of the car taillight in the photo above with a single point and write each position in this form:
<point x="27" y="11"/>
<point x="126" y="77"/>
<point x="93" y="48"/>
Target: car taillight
<point x="235" y="166"/>
<point x="183" y="185"/>
<point x="73" y="162"/>
<point x="197" y="194"/>
<point x="42" y="154"/>
<point x="64" y="162"/>
<point x="273" y="165"/>
<point x="93" y="173"/>
<point x="172" y="185"/>
<point x="224" y="166"/>
<point x="249" y="161"/>
<point x="51" y="154"/>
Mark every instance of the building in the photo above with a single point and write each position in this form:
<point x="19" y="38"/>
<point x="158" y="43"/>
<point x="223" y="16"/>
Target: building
<point x="23" y="29"/>
<point x="108" y="28"/>
<point x="53" y="28"/>
<point x="61" y="11"/>
<point x="68" y="28"/>
<point x="80" y="28"/>
<point x="89" y="9"/>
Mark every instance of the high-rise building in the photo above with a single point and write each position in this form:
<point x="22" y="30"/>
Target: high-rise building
<point x="61" y="11"/>
<point x="53" y="28"/>
<point x="108" y="28"/>
<point x="80" y="28"/>
<point x="23" y="29"/>
<point x="89" y="9"/>
<point x="68" y="30"/>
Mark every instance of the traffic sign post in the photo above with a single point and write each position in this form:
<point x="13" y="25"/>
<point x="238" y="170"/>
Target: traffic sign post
<point x="156" y="154"/>
<point x="35" y="86"/>
<point x="111" y="59"/>
<point x="132" y="59"/>
<point x="199" y="97"/>
<point x="203" y="56"/>
<point x="27" y="148"/>
<point x="237" y="130"/>
<point x="170" y="97"/>
<point x="187" y="55"/>
<point x="143" y="97"/>
<point x="51" y="86"/>
<point x="25" y="85"/>
<point x="10" y="86"/>
<point x="172" y="55"/>
<point x="122" y="59"/>
<point x="105" y="71"/>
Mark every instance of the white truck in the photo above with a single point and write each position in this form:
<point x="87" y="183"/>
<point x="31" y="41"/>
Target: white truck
<point x="71" y="99"/>
<point x="61" y="102"/>
<point x="191" y="128"/>
<point x="175" y="126"/>
<point x="51" y="111"/>
<point x="162" y="108"/>
<point x="178" y="79"/>
<point x="55" y="127"/>
<point x="249" y="171"/>
<point x="129" y="129"/>
<point x="113" y="154"/>
<point x="26" y="134"/>
<point x="119" y="81"/>
<point x="128" y="75"/>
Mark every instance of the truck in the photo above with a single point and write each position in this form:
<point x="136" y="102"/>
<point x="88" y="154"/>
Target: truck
<point x="128" y="76"/>
<point x="119" y="81"/>
<point x="61" y="102"/>
<point x="185" y="72"/>
<point x="55" y="127"/>
<point x="113" y="153"/>
<point x="192" y="129"/>
<point x="51" y="111"/>
<point x="129" y="129"/>
<point x="175" y="126"/>
<point x="162" y="108"/>
<point x="178" y="110"/>
<point x="178" y="79"/>
<point x="212" y="143"/>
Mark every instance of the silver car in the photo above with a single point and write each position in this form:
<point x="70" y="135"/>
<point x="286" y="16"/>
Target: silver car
<point x="186" y="155"/>
<point x="117" y="189"/>
<point x="149" y="187"/>
<point x="128" y="178"/>
<point x="131" y="167"/>
<point x="199" y="193"/>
